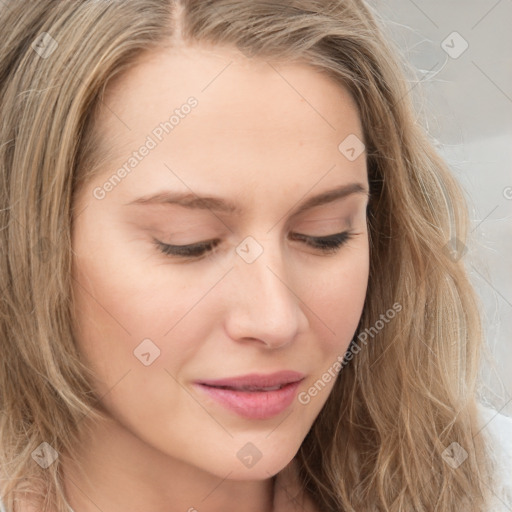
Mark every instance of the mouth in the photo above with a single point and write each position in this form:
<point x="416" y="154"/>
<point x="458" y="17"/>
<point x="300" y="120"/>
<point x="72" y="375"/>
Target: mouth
<point x="254" y="396"/>
<point x="248" y="389"/>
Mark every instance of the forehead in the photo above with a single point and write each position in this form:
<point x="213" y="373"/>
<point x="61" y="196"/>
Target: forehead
<point x="254" y="118"/>
<point x="229" y="87"/>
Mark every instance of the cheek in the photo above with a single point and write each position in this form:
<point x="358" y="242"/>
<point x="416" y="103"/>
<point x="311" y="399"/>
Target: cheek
<point x="338" y="295"/>
<point x="121" y="323"/>
<point x="121" y="302"/>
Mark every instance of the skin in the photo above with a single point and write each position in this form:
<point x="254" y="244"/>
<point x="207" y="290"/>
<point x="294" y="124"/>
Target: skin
<point x="255" y="141"/>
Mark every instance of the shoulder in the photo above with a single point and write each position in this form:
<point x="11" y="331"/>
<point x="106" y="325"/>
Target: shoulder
<point x="497" y="430"/>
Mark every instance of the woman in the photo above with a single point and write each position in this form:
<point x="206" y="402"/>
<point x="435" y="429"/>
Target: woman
<point x="231" y="268"/>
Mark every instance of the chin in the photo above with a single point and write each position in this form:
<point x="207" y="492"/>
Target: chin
<point x="260" y="461"/>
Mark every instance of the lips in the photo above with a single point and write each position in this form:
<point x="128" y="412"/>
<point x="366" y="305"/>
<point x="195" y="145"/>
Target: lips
<point x="249" y="389"/>
<point x="256" y="382"/>
<point x="254" y="396"/>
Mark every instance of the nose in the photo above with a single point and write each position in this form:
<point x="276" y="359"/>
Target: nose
<point x="264" y="307"/>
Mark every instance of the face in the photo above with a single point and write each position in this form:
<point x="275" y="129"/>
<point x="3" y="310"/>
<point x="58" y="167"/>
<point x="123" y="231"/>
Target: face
<point x="226" y="238"/>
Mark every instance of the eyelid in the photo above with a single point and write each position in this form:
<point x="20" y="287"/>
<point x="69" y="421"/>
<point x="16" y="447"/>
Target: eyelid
<point x="189" y="250"/>
<point x="327" y="244"/>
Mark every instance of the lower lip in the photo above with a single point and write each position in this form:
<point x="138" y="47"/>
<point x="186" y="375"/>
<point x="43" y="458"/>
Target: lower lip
<point x="255" y="405"/>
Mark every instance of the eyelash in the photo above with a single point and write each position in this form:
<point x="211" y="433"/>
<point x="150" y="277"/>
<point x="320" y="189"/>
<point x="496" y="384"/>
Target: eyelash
<point x="326" y="244"/>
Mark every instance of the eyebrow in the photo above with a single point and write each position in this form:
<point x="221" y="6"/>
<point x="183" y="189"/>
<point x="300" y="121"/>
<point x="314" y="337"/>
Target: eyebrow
<point x="217" y="204"/>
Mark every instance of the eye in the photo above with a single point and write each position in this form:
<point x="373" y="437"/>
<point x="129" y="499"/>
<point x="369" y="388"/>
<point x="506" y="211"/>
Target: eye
<point x="326" y="244"/>
<point x="187" y="251"/>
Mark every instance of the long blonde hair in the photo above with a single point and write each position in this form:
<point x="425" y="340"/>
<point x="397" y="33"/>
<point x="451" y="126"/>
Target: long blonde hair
<point x="407" y="395"/>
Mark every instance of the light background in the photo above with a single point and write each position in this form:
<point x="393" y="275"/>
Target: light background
<point x="467" y="103"/>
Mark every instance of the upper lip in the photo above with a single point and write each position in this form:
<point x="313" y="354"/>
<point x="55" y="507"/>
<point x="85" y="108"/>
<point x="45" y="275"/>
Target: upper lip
<point x="255" y="380"/>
